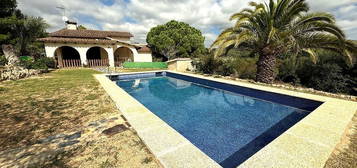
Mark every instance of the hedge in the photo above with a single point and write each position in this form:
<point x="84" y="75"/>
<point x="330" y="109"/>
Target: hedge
<point x="158" y="65"/>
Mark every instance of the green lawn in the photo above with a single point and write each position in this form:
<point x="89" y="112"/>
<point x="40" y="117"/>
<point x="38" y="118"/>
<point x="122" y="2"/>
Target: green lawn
<point x="61" y="101"/>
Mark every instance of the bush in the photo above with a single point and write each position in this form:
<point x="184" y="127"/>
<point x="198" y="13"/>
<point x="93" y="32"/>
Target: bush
<point x="240" y="67"/>
<point x="246" y="68"/>
<point x="3" y="60"/>
<point x="26" y="62"/>
<point x="48" y="62"/>
<point x="352" y="72"/>
<point x="224" y="67"/>
<point x="330" y="74"/>
<point x="287" y="72"/>
<point x="206" y="64"/>
<point x="40" y="63"/>
<point x="325" y="77"/>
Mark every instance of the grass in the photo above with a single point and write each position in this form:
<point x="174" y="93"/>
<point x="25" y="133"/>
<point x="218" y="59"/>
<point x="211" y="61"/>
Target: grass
<point x="52" y="103"/>
<point x="58" y="102"/>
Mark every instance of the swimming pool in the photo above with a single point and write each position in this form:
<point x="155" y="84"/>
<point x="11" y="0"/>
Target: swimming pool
<point x="227" y="122"/>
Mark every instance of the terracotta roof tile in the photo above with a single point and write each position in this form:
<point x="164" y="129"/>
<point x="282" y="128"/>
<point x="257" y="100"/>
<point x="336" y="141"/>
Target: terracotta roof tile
<point x="76" y="40"/>
<point x="89" y="34"/>
<point x="144" y="49"/>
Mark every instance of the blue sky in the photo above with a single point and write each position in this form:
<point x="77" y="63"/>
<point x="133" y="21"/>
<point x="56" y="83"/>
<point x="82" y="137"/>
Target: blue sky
<point x="108" y="2"/>
<point x="138" y="16"/>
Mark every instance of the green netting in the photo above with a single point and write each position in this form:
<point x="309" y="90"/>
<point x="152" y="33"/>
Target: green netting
<point x="158" y="65"/>
<point x="25" y="58"/>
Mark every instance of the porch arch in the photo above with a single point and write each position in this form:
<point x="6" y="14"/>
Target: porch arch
<point x="97" y="56"/>
<point x="67" y="56"/>
<point x="67" y="52"/>
<point x="96" y="53"/>
<point x="123" y="54"/>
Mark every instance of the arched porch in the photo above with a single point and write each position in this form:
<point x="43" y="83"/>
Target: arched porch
<point x="121" y="55"/>
<point x="67" y="56"/>
<point x="97" y="56"/>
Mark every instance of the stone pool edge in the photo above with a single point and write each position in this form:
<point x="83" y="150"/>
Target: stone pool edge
<point x="308" y="143"/>
<point x="169" y="147"/>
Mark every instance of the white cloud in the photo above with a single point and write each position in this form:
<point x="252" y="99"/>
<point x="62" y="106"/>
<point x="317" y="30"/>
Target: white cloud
<point x="138" y="16"/>
<point x="323" y="5"/>
<point x="209" y="38"/>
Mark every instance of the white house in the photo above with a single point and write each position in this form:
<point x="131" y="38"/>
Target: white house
<point x="75" y="47"/>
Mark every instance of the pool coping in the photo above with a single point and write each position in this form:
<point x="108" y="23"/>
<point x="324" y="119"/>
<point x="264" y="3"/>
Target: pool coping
<point x="308" y="143"/>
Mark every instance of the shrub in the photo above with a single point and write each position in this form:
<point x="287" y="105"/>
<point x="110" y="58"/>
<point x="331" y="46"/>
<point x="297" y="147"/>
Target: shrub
<point x="48" y="62"/>
<point x="326" y="77"/>
<point x="243" y="67"/>
<point x="3" y="60"/>
<point x="224" y="67"/>
<point x="287" y="72"/>
<point x="26" y="62"/>
<point x="353" y="82"/>
<point x="246" y="68"/>
<point x="206" y="64"/>
<point x="40" y="63"/>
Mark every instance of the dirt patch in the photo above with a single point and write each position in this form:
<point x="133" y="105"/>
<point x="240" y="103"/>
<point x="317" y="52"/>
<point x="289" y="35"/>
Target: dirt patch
<point x="345" y="153"/>
<point x="114" y="130"/>
<point x="114" y="151"/>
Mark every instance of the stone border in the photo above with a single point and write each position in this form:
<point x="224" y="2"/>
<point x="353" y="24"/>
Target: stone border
<point x="308" y="143"/>
<point x="169" y="146"/>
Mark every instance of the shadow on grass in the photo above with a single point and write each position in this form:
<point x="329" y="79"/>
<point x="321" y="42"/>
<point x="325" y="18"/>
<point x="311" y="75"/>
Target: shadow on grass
<point x="55" y="102"/>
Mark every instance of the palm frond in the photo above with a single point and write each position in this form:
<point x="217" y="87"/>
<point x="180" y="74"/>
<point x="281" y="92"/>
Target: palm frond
<point x="223" y="47"/>
<point x="285" y="26"/>
<point x="313" y="55"/>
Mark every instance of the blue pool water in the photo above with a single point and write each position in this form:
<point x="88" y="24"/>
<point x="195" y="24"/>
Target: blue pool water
<point x="227" y="126"/>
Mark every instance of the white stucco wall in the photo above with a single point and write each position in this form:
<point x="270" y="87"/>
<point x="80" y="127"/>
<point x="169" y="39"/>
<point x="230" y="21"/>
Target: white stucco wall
<point x="82" y="49"/>
<point x="144" y="57"/>
<point x="72" y="26"/>
<point x="110" y="50"/>
<point x="180" y="64"/>
<point x="50" y="50"/>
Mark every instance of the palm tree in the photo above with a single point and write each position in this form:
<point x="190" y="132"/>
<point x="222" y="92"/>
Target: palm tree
<point x="280" y="27"/>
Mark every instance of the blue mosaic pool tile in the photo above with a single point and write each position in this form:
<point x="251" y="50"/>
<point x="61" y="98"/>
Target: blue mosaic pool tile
<point x="229" y="123"/>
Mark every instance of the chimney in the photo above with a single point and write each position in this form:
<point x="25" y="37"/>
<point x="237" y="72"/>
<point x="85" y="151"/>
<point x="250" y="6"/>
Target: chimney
<point x="71" y="25"/>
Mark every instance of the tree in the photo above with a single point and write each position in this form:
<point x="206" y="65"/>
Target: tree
<point x="20" y="30"/>
<point x="280" y="27"/>
<point x="81" y="27"/>
<point x="7" y="7"/>
<point x="8" y="17"/>
<point x="27" y="31"/>
<point x="176" y="39"/>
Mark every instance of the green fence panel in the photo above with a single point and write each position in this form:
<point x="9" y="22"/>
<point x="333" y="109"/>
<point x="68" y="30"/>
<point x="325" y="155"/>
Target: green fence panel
<point x="158" y="65"/>
<point x="25" y="58"/>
